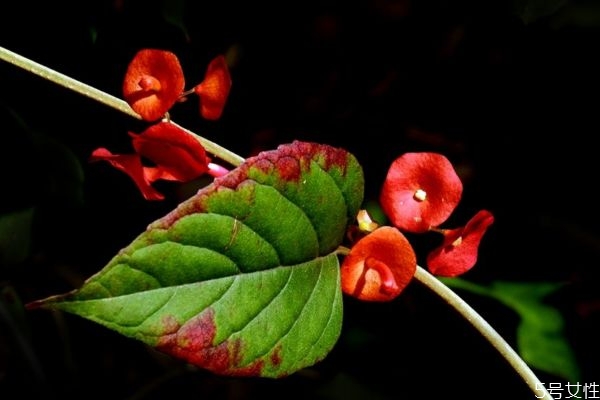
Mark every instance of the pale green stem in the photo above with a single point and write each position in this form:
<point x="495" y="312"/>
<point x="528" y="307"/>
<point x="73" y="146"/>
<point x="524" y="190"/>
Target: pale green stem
<point x="485" y="329"/>
<point x="421" y="275"/>
<point x="104" y="98"/>
<point x="342" y="251"/>
<point x="216" y="149"/>
<point x="68" y="82"/>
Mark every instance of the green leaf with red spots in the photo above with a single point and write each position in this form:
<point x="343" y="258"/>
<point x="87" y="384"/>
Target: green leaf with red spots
<point x="242" y="278"/>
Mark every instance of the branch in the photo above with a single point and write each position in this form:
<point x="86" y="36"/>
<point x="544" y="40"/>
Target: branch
<point x="104" y="98"/>
<point x="421" y="275"/>
<point x="486" y="330"/>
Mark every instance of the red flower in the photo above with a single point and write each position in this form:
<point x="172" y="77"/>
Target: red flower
<point x="458" y="252"/>
<point x="153" y="82"/>
<point x="379" y="266"/>
<point x="214" y="89"/>
<point x="420" y="191"/>
<point x="177" y="156"/>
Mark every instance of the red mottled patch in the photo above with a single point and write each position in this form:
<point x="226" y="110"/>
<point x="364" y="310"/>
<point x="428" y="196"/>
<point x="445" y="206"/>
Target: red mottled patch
<point x="231" y="350"/>
<point x="276" y="356"/>
<point x="169" y="324"/>
<point x="264" y="164"/>
<point x="288" y="159"/>
<point x="193" y="342"/>
<point x="196" y="334"/>
<point x="288" y="168"/>
<point x="333" y="157"/>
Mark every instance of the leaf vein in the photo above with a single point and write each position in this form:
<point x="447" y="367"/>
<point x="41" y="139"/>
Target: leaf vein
<point x="261" y="310"/>
<point x="331" y="314"/>
<point x="282" y="337"/>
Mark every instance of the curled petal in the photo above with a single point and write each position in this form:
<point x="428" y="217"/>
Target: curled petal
<point x="217" y="170"/>
<point x="214" y="89"/>
<point x="379" y="266"/>
<point x="420" y="191"/>
<point x="153" y="82"/>
<point x="131" y="164"/>
<point x="153" y="174"/>
<point x="177" y="154"/>
<point x="458" y="252"/>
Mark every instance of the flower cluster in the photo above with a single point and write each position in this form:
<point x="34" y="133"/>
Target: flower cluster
<point x="420" y="192"/>
<point x="153" y="83"/>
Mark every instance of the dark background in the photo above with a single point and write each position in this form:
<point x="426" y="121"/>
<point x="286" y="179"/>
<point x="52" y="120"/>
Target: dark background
<point x="507" y="90"/>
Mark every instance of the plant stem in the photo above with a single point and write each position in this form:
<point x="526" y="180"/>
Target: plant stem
<point x="421" y="275"/>
<point x="104" y="98"/>
<point x="216" y="149"/>
<point x="65" y="81"/>
<point x="486" y="330"/>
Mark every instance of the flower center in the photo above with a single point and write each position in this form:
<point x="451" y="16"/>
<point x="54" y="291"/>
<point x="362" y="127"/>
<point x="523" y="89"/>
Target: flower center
<point x="420" y="195"/>
<point x="149" y="83"/>
<point x="388" y="283"/>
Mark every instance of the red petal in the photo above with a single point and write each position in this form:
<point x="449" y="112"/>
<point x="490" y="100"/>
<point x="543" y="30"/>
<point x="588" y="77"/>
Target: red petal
<point x="153" y="83"/>
<point x="379" y="266"/>
<point x="174" y="151"/>
<point x="458" y="253"/>
<point x="153" y="174"/>
<point x="131" y="164"/>
<point x="214" y="89"/>
<point x="430" y="173"/>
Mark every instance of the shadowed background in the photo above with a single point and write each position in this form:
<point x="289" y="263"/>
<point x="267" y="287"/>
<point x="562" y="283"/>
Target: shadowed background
<point x="505" y="89"/>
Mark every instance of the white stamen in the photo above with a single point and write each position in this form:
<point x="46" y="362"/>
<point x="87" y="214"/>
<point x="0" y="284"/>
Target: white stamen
<point x="420" y="195"/>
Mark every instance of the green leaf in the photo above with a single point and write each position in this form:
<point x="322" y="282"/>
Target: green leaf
<point x="540" y="335"/>
<point x="541" y="340"/>
<point x="242" y="278"/>
<point x="174" y="13"/>
<point x="15" y="236"/>
<point x="42" y="169"/>
<point x="531" y="10"/>
<point x="15" y="331"/>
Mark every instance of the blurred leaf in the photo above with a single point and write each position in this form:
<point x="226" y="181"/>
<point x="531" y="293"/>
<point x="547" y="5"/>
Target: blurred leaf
<point x="581" y="15"/>
<point x="344" y="387"/>
<point x="45" y="169"/>
<point x="173" y="12"/>
<point x="15" y="236"/>
<point x="21" y="357"/>
<point x="540" y="335"/>
<point x="93" y="34"/>
<point x="242" y="278"/>
<point x="531" y="10"/>
<point x="13" y="309"/>
<point x="63" y="175"/>
<point x="541" y="339"/>
<point x="376" y="212"/>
